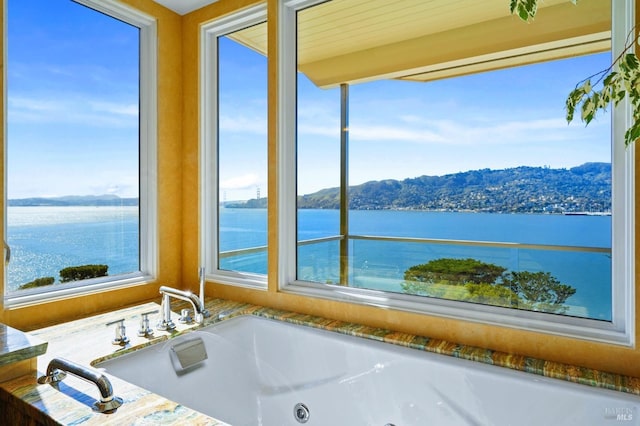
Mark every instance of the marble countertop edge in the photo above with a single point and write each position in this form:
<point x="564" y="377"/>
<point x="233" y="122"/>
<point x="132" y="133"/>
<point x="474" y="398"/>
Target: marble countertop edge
<point x="16" y="346"/>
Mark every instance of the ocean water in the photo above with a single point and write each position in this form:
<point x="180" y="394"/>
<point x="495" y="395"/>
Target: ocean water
<point x="46" y="239"/>
<point x="381" y="264"/>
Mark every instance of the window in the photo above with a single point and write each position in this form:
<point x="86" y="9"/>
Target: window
<point x="80" y="147"/>
<point x="234" y="160"/>
<point x="445" y="180"/>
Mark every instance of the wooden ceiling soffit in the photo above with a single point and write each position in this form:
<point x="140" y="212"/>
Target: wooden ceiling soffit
<point x="558" y="31"/>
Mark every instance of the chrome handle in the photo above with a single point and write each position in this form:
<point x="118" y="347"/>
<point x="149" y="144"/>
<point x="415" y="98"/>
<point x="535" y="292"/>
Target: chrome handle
<point x="145" y="329"/>
<point x="57" y="369"/>
<point x="185" y="318"/>
<point x="165" y="323"/>
<point x="121" y="332"/>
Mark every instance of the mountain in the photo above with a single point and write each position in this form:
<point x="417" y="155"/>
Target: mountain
<point x="254" y="203"/>
<point x="585" y="188"/>
<point x="75" y="200"/>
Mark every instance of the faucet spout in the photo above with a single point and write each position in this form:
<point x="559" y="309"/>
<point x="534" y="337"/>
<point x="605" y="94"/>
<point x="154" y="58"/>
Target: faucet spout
<point x="57" y="369"/>
<point x="187" y="296"/>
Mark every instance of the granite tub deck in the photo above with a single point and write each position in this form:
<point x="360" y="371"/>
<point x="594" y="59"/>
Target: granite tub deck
<point x="88" y="341"/>
<point x="82" y="341"/>
<point x="18" y="352"/>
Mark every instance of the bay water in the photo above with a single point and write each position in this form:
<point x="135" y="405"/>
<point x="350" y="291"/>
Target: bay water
<point x="46" y="239"/>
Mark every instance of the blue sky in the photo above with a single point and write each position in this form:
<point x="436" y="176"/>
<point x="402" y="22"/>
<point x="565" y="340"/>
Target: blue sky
<point x="400" y="129"/>
<point x="494" y="120"/>
<point x="73" y="115"/>
<point x="72" y="101"/>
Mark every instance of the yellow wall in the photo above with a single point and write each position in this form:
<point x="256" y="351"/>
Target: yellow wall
<point x="178" y="132"/>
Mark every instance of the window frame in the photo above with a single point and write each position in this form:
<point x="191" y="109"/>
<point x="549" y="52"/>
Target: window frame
<point x="619" y="331"/>
<point x="147" y="169"/>
<point x="209" y="196"/>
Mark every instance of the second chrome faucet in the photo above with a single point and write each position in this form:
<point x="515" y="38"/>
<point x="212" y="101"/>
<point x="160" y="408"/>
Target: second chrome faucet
<point x="165" y="322"/>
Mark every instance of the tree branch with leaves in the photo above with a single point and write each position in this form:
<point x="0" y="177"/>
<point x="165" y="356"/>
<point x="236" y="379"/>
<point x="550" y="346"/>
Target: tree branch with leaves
<point x="598" y="91"/>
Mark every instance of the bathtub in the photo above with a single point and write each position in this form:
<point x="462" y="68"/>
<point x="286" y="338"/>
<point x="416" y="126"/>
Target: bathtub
<point x="265" y="372"/>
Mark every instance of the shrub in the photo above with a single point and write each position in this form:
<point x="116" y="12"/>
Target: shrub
<point x="38" y="282"/>
<point x="474" y="281"/>
<point x="454" y="272"/>
<point x="82" y="272"/>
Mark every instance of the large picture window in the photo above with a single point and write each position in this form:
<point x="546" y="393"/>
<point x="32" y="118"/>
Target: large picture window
<point x="80" y="147"/>
<point x="434" y="170"/>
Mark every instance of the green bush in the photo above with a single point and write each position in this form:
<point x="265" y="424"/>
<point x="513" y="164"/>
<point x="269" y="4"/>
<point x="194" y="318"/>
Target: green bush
<point x="82" y="272"/>
<point x="474" y="281"/>
<point x="454" y="272"/>
<point x="38" y="282"/>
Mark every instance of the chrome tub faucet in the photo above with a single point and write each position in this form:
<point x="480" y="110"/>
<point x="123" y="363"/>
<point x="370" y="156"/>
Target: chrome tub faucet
<point x="165" y="322"/>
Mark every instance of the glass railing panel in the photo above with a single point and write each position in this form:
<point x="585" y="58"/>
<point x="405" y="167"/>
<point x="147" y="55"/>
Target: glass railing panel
<point x="243" y="240"/>
<point x="250" y="260"/>
<point x="573" y="281"/>
<point x="568" y="281"/>
<point x="319" y="261"/>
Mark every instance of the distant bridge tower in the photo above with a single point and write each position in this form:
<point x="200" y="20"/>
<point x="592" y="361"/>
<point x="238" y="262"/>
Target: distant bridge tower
<point x="258" y="193"/>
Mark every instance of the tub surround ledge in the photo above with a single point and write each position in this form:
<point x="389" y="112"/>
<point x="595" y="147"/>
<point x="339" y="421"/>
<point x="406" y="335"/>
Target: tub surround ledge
<point x="87" y="342"/>
<point x="555" y="370"/>
<point x="18" y="352"/>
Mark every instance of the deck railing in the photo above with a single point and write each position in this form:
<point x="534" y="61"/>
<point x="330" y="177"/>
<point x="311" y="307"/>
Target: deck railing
<point x="343" y="273"/>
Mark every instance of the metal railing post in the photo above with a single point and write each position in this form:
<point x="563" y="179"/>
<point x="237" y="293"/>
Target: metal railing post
<point x="344" y="184"/>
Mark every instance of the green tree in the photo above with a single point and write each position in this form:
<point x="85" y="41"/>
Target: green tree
<point x="446" y="278"/>
<point x="471" y="280"/>
<point x="82" y="272"/>
<point x="540" y="290"/>
<point x="38" y="282"/>
<point x="454" y="271"/>
<point x="489" y="294"/>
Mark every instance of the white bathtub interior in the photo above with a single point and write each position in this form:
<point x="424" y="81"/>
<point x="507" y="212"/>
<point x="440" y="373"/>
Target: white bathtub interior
<point x="258" y="371"/>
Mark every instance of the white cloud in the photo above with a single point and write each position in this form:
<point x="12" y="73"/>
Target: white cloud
<point x="115" y="108"/>
<point x="240" y="182"/>
<point x="256" y="125"/>
<point x="126" y="187"/>
<point x="317" y="130"/>
<point x="465" y="132"/>
<point x="465" y="129"/>
<point x="71" y="109"/>
<point x="389" y="133"/>
<point x="34" y="105"/>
